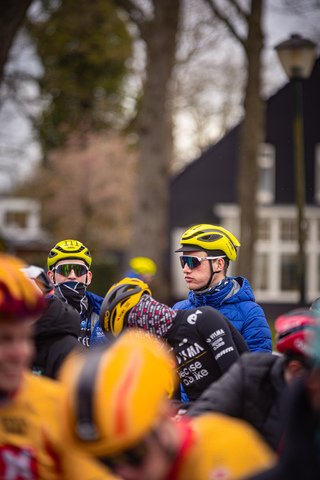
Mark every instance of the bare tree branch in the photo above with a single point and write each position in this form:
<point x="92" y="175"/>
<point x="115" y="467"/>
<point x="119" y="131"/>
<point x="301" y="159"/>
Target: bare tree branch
<point x="239" y="10"/>
<point x="226" y="20"/>
<point x="135" y="13"/>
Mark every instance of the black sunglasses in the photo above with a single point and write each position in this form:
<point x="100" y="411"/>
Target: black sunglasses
<point x="65" y="269"/>
<point x="194" y="262"/>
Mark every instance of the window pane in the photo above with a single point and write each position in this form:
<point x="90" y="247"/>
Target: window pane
<point x="289" y="272"/>
<point x="16" y="219"/>
<point x="261" y="271"/>
<point x="266" y="180"/>
<point x="265" y="183"/>
<point x="288" y="230"/>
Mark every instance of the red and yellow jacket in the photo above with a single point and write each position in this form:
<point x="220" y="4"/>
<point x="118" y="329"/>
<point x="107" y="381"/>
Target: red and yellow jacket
<point x="31" y="445"/>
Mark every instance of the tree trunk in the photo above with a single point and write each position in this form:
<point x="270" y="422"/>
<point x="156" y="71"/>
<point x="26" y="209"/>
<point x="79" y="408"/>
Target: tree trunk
<point x="151" y="221"/>
<point x="12" y="16"/>
<point x="252" y="133"/>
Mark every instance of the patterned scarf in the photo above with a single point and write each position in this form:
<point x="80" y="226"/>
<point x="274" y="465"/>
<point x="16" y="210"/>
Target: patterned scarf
<point x="152" y="316"/>
<point x="73" y="293"/>
<point x="215" y="288"/>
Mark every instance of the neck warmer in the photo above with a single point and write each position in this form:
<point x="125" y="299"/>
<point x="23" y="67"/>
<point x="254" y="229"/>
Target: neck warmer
<point x="215" y="288"/>
<point x="152" y="316"/>
<point x="73" y="293"/>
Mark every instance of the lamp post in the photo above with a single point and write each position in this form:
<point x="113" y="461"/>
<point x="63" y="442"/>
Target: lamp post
<point x="297" y="56"/>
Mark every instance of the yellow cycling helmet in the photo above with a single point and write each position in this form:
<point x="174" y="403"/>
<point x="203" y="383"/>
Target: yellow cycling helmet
<point x="20" y="299"/>
<point x="118" y="302"/>
<point x="211" y="238"/>
<point x="114" y="396"/>
<point x="143" y="265"/>
<point x="69" y="249"/>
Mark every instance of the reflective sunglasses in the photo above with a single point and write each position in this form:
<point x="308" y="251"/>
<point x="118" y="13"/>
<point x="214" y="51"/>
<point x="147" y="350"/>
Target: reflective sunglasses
<point x="134" y="457"/>
<point x="194" y="262"/>
<point x="66" y="268"/>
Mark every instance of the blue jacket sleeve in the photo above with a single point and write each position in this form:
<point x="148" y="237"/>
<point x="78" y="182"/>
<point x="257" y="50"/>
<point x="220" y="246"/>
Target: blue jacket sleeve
<point x="183" y="305"/>
<point x="256" y="330"/>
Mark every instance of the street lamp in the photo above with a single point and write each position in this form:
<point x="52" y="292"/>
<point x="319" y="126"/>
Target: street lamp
<point x="297" y="56"/>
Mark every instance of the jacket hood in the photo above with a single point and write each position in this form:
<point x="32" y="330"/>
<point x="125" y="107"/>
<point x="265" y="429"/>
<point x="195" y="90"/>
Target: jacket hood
<point x="59" y="318"/>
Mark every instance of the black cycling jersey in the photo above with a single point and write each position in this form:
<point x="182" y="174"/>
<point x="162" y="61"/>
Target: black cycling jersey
<point x="204" y="341"/>
<point x="205" y="344"/>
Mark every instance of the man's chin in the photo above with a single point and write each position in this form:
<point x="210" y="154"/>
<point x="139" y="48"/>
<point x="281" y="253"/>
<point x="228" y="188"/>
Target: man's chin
<point x="10" y="382"/>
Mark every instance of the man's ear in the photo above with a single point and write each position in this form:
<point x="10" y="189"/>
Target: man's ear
<point x="50" y="275"/>
<point x="89" y="277"/>
<point x="221" y="263"/>
<point x="296" y="369"/>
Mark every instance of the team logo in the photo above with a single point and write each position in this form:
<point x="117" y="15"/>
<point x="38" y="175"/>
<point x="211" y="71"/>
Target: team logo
<point x="190" y="352"/>
<point x="17" y="463"/>
<point x="193" y="317"/>
<point x="106" y="320"/>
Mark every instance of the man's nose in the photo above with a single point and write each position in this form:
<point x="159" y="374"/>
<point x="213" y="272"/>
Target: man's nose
<point x="71" y="274"/>
<point x="186" y="268"/>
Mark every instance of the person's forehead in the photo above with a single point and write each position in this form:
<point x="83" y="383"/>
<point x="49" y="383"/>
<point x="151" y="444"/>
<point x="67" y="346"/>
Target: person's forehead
<point x="8" y="325"/>
<point x="70" y="260"/>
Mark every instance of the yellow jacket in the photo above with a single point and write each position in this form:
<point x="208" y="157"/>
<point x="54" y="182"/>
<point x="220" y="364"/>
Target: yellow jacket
<point x="31" y="445"/>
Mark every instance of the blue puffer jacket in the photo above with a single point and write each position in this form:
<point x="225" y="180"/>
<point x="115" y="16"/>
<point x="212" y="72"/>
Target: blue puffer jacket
<point x="236" y="302"/>
<point x="97" y="336"/>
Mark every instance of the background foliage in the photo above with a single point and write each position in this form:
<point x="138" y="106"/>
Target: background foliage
<point x="83" y="47"/>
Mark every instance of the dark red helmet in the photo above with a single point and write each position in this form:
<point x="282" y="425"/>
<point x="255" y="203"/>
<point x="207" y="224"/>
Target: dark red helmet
<point x="295" y="330"/>
<point x="20" y="299"/>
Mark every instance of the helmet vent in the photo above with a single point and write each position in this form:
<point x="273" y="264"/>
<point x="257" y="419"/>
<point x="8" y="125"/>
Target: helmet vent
<point x="211" y="238"/>
<point x="62" y="250"/>
<point x="293" y="330"/>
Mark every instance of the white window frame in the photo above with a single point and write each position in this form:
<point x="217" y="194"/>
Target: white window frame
<point x="229" y="215"/>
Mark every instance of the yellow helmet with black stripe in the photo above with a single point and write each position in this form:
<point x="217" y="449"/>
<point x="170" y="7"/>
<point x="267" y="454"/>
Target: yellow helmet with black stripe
<point x="69" y="250"/>
<point x="210" y="238"/>
<point x="118" y="302"/>
<point x="116" y="395"/>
